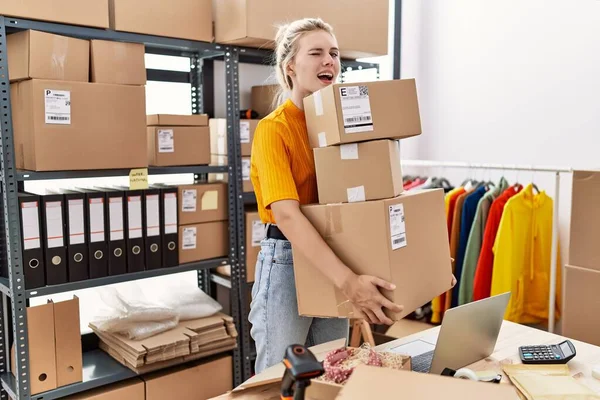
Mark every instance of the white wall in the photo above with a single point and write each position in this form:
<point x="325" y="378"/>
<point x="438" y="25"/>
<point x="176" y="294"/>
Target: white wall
<point x="506" y="81"/>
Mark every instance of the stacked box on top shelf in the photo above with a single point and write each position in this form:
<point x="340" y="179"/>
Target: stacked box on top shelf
<point x="76" y="12"/>
<point x="364" y="216"/>
<point x="64" y="122"/>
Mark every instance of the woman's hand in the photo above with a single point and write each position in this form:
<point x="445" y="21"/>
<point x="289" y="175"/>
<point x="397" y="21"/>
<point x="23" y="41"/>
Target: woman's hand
<point x="363" y="292"/>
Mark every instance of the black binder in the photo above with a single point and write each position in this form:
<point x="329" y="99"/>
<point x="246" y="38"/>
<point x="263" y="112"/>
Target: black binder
<point x="151" y="224"/>
<point x="134" y="230"/>
<point x="168" y="226"/>
<point x="76" y="228"/>
<point x="117" y="258"/>
<point x="30" y="213"/>
<point x="55" y="249"/>
<point x="96" y="232"/>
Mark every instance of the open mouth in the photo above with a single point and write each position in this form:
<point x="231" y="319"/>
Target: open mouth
<point x="325" y="77"/>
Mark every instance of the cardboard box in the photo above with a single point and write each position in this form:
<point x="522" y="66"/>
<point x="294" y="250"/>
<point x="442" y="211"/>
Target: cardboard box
<point x="76" y="12"/>
<point x="42" y="348"/>
<point x="117" y="62"/>
<point x="357" y="112"/>
<point x="581" y="302"/>
<point x="263" y="99"/>
<point x="189" y="19"/>
<point x="69" y="357"/>
<point x="218" y="160"/>
<point x="218" y="135"/>
<point x="202" y="203"/>
<point x="246" y="181"/>
<point x="255" y="233"/>
<point x="177" y="120"/>
<point x="245" y="23"/>
<point x="585" y="220"/>
<point x="199" y="242"/>
<point x="346" y="173"/>
<point x="41" y="55"/>
<point x="197" y="382"/>
<point x="178" y="145"/>
<point x="403" y="240"/>
<point x="131" y="389"/>
<point x="101" y="127"/>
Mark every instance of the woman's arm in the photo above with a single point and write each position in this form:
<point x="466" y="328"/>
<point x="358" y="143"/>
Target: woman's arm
<point x="361" y="290"/>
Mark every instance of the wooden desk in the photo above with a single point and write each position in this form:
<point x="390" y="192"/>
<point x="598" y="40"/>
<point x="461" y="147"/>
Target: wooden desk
<point x="506" y="351"/>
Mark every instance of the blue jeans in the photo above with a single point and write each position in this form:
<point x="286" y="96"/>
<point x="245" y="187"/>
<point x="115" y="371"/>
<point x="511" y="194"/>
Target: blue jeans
<point x="274" y="308"/>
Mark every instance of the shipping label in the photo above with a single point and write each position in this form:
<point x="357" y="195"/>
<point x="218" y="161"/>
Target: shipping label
<point x="397" y="226"/>
<point x="58" y="107"/>
<point x="356" y="109"/>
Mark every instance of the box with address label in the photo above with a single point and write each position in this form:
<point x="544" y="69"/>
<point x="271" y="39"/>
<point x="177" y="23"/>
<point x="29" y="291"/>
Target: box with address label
<point x="204" y="241"/>
<point x="401" y="240"/>
<point x="345" y="173"/>
<point x="218" y="135"/>
<point x="358" y="112"/>
<point x="62" y="125"/>
<point x="255" y="233"/>
<point x="246" y="182"/>
<point x="202" y="203"/>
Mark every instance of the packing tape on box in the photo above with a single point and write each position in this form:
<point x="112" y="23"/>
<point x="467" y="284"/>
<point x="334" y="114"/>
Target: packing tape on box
<point x="322" y="139"/>
<point x="356" y="194"/>
<point x="333" y="220"/>
<point x="348" y="151"/>
<point x="60" y="49"/>
<point x="318" y="103"/>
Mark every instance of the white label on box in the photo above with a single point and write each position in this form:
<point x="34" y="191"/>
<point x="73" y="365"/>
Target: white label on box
<point x="356" y="109"/>
<point x="244" y="132"/>
<point x="349" y="151"/>
<point x="31" y="225"/>
<point x="170" y="213"/>
<point x="54" y="224"/>
<point x="322" y="139"/>
<point x="318" y="103"/>
<point x="397" y="226"/>
<point x="115" y="211"/>
<point x="166" y="143"/>
<point x="97" y="220"/>
<point x="58" y="107"/>
<point x="356" y="194"/>
<point x="189" y="238"/>
<point x="189" y="200"/>
<point x="134" y="216"/>
<point x="152" y="215"/>
<point x="246" y="170"/>
<point x="76" y="222"/>
<point x="259" y="231"/>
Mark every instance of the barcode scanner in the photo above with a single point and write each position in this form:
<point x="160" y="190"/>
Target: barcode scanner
<point x="300" y="367"/>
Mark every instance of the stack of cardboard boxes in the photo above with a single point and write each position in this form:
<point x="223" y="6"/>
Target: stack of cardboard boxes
<point x="362" y="214"/>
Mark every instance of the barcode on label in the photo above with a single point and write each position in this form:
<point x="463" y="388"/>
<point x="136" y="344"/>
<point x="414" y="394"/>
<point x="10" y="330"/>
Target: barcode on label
<point x="55" y="118"/>
<point x="399" y="240"/>
<point x="363" y="90"/>
<point x="350" y="120"/>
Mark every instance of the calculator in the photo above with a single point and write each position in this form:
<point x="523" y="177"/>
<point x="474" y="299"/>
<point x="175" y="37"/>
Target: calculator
<point x="560" y="353"/>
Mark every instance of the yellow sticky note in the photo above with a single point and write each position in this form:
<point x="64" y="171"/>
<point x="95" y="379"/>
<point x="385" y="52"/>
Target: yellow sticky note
<point x="138" y="179"/>
<point x="210" y="200"/>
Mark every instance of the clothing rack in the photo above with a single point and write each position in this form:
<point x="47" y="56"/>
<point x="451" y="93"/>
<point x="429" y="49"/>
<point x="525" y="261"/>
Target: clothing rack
<point x="501" y="167"/>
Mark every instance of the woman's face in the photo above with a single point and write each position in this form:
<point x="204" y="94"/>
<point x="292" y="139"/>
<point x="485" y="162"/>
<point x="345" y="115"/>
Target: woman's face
<point x="317" y="63"/>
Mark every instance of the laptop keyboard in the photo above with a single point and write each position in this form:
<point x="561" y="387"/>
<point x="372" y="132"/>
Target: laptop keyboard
<point x="422" y="362"/>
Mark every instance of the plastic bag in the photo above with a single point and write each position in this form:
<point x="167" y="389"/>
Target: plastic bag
<point x="190" y="302"/>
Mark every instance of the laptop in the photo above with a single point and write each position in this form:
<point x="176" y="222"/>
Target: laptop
<point x="468" y="334"/>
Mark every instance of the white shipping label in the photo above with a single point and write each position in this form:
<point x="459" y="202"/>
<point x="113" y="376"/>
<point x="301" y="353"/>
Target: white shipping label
<point x="152" y="215"/>
<point x="58" y="107"/>
<point x="318" y="103"/>
<point x="349" y="151"/>
<point x="189" y="238"/>
<point x="76" y="222"/>
<point x="188" y="203"/>
<point x="166" y="142"/>
<point x="96" y="220"/>
<point x="54" y="224"/>
<point x="170" y="213"/>
<point x="244" y="132"/>
<point x="115" y="211"/>
<point x="246" y="170"/>
<point x="134" y="216"/>
<point x="31" y="225"/>
<point x="397" y="226"/>
<point x="356" y="194"/>
<point x="259" y="231"/>
<point x="356" y="109"/>
<point x="322" y="139"/>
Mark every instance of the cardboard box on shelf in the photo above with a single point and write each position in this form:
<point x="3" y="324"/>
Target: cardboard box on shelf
<point x="245" y="23"/>
<point x="346" y="173"/>
<point x="75" y="12"/>
<point x="403" y="240"/>
<point x="178" y="145"/>
<point x="78" y="126"/>
<point x="69" y="357"/>
<point x="218" y="135"/>
<point x="201" y="381"/>
<point x="131" y="389"/>
<point x="41" y="55"/>
<point x="203" y="241"/>
<point x="585" y="220"/>
<point x="246" y="181"/>
<point x="117" y="62"/>
<point x="202" y="203"/>
<point x="191" y="19"/>
<point x="358" y="112"/>
<point x="263" y="99"/>
<point x="255" y="233"/>
<point x="177" y="120"/>
<point x="218" y="160"/>
<point x="581" y="302"/>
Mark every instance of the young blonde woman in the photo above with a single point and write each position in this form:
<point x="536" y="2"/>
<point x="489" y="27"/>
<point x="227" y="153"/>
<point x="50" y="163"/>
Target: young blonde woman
<point x="283" y="175"/>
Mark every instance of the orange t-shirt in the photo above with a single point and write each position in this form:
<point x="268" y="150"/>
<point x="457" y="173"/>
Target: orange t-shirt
<point x="282" y="165"/>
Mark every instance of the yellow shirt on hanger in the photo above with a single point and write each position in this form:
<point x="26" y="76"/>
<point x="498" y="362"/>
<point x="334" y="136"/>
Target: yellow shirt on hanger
<point x="522" y="256"/>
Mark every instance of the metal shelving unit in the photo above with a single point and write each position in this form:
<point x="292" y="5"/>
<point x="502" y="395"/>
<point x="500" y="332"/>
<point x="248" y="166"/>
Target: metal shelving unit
<point x="99" y="368"/>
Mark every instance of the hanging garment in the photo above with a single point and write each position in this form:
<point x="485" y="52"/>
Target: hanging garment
<point x="465" y="293"/>
<point x="522" y="253"/>
<point x="454" y="194"/>
<point x="466" y="222"/>
<point x="482" y="283"/>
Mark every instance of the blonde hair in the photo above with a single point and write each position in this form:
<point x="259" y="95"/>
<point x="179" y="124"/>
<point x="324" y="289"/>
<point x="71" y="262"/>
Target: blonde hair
<point x="286" y="48"/>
